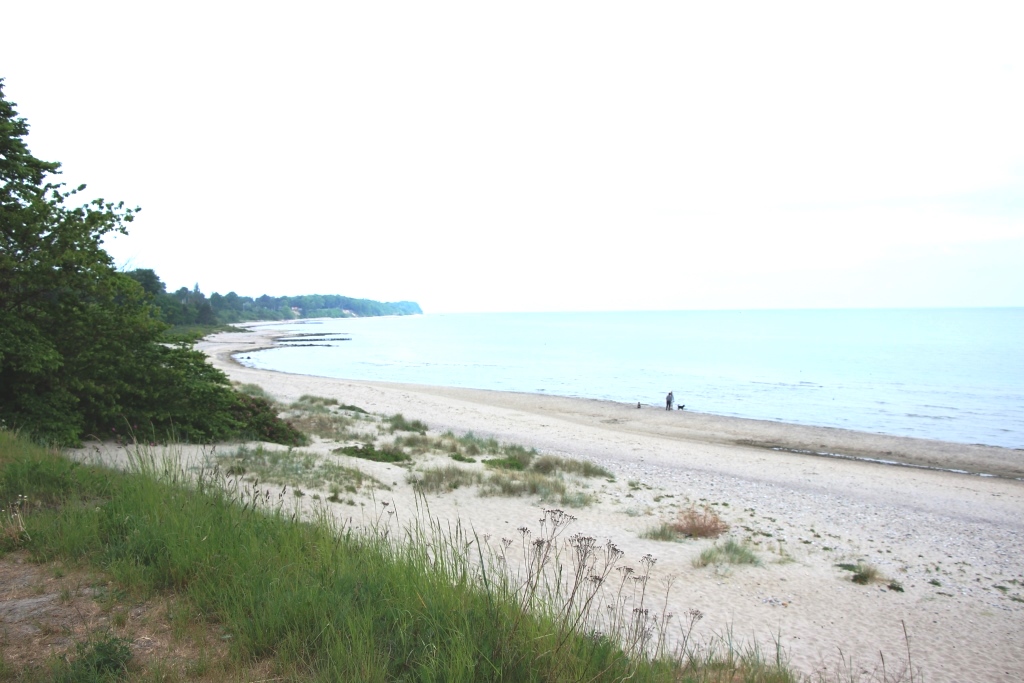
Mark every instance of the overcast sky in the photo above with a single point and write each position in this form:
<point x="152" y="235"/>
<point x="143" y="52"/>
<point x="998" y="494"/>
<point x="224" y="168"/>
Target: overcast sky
<point x="485" y="156"/>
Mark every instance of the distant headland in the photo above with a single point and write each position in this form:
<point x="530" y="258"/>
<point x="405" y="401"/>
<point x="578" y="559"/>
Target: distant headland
<point x="191" y="307"/>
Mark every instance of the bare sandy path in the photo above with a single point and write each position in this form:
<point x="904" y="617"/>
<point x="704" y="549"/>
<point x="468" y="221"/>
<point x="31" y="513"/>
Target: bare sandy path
<point x="955" y="542"/>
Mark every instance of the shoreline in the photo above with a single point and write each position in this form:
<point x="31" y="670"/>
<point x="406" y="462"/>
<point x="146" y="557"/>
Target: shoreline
<point x="799" y="439"/>
<point x="951" y="542"/>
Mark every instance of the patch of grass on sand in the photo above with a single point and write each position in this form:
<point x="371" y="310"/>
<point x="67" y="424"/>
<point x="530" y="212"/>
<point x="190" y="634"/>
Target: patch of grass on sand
<point x="398" y="423"/>
<point x="549" y="488"/>
<point x="549" y="464"/>
<point x="312" y="403"/>
<point x="417" y="444"/>
<point x="326" y="425"/>
<point x="730" y="552"/>
<point x="863" y="573"/>
<point x="662" y="532"/>
<point x="444" y="478"/>
<point x="370" y="452"/>
<point x="294" y="468"/>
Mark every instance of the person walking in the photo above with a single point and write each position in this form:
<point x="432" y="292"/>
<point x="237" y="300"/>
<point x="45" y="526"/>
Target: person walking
<point x="668" y="401"/>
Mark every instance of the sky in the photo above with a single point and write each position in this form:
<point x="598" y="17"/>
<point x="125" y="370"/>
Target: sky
<point x="545" y="156"/>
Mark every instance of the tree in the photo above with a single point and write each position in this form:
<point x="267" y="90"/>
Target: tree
<point x="149" y="281"/>
<point x="79" y="341"/>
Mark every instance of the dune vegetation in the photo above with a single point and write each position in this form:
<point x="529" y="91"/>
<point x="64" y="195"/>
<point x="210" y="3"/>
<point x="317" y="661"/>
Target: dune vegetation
<point x="254" y="589"/>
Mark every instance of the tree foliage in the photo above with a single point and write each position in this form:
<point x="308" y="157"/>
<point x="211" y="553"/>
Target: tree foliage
<point x="79" y="350"/>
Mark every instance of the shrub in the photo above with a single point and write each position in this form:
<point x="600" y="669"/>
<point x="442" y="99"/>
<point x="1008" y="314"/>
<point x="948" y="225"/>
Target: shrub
<point x="258" y="420"/>
<point x="704" y="523"/>
<point x="865" y="573"/>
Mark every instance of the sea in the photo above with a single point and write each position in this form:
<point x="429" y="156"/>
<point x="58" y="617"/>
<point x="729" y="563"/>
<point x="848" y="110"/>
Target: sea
<point x="949" y="374"/>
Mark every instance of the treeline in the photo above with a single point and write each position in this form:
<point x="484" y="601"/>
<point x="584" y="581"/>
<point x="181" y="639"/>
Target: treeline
<point x="191" y="307"/>
<point x="82" y="347"/>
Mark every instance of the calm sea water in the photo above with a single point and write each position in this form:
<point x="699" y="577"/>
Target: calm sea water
<point x="950" y="374"/>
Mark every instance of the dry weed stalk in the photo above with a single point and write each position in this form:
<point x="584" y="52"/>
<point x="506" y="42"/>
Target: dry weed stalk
<point x="12" y="524"/>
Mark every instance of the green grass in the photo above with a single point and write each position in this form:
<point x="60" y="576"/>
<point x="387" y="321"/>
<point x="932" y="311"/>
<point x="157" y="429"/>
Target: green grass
<point x="730" y="552"/>
<point x="662" y="532"/>
<point x="369" y="452"/>
<point x="398" y="423"/>
<point x="508" y="463"/>
<point x="101" y="658"/>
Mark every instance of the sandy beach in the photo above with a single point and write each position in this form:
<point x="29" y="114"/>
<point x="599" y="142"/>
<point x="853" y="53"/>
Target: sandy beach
<point x="806" y="499"/>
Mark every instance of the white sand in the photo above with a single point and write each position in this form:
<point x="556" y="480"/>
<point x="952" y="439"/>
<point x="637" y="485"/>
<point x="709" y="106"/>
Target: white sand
<point x="963" y="532"/>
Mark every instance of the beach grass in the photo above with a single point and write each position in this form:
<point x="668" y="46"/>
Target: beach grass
<point x="729" y="552"/>
<point x="370" y="452"/>
<point x="295" y="468"/>
<point x="398" y="423"/>
<point x="516" y="470"/>
<point x="865" y="573"/>
<point x="549" y="464"/>
<point x="320" y="600"/>
<point x="444" y="478"/>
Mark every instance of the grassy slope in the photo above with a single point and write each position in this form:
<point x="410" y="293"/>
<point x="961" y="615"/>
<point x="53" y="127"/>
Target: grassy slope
<point x="316" y="601"/>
